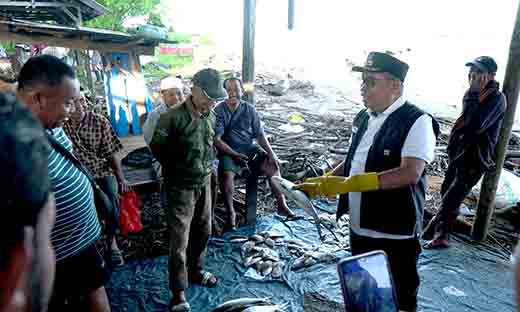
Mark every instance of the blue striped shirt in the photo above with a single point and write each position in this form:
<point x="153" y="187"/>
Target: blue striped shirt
<point x="77" y="224"/>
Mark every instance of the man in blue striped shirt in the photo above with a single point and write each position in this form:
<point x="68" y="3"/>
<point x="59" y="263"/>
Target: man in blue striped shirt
<point x="48" y="86"/>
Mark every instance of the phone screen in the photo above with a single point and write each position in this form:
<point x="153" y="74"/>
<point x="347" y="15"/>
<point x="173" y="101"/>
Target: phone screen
<point x="367" y="285"/>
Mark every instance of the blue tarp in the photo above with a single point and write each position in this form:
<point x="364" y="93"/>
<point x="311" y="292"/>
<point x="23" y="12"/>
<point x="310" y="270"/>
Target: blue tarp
<point x="466" y="277"/>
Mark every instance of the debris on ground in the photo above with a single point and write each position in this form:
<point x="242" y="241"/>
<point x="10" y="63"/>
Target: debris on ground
<point x="310" y="141"/>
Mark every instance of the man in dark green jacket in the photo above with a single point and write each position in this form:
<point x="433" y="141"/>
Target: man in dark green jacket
<point x="183" y="144"/>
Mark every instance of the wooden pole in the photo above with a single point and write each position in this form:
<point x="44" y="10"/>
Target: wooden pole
<point x="486" y="204"/>
<point x="248" y="54"/>
<point x="290" y="17"/>
<point x="88" y="72"/>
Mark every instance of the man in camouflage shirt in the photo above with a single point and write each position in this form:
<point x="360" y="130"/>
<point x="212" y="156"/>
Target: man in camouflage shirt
<point x="183" y="144"/>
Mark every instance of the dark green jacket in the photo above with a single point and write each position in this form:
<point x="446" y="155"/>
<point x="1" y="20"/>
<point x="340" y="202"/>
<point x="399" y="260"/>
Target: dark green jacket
<point x="184" y="146"/>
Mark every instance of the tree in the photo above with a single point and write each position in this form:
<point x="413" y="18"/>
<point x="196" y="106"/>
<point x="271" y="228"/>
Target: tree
<point x="118" y="10"/>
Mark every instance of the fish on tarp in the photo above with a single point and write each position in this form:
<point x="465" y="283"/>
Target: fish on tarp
<point x="267" y="308"/>
<point x="299" y="198"/>
<point x="241" y="304"/>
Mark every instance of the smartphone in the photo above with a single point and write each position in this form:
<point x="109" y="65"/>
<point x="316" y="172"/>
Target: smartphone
<point x="366" y="282"/>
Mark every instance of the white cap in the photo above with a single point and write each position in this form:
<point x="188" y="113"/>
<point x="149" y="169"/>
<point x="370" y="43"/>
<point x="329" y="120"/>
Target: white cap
<point x="171" y="83"/>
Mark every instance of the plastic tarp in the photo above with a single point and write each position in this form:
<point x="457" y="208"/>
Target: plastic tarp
<point x="466" y="277"/>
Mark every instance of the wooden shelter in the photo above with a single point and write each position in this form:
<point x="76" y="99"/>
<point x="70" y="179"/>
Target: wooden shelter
<point x="69" y="13"/>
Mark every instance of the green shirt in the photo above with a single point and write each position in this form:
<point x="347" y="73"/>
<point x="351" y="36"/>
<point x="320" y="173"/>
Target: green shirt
<point x="184" y="146"/>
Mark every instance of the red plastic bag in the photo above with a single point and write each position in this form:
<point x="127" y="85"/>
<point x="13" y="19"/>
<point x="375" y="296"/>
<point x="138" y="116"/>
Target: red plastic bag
<point x="130" y="214"/>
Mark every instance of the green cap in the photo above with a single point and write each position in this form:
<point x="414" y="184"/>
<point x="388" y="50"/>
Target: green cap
<point x="210" y="81"/>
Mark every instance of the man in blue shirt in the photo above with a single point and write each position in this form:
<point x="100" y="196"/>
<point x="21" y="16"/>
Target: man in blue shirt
<point x="237" y="124"/>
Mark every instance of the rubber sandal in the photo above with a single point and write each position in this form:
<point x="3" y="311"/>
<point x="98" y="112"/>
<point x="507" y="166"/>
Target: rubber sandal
<point x="203" y="278"/>
<point x="116" y="258"/>
<point x="436" y="244"/>
<point x="181" y="307"/>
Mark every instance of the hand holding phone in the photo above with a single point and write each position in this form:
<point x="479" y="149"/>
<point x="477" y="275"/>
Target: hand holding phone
<point x="367" y="283"/>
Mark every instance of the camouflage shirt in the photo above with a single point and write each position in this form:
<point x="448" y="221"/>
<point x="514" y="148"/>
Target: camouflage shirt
<point x="184" y="146"/>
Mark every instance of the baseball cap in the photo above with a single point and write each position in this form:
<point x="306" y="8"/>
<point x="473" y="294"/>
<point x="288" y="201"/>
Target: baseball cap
<point x="378" y="62"/>
<point x="484" y="63"/>
<point x="210" y="81"/>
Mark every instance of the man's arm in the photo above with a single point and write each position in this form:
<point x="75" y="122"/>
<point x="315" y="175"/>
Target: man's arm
<point x="339" y="171"/>
<point x="149" y="126"/>
<point x="482" y="116"/>
<point x="418" y="149"/>
<point x="264" y="143"/>
<point x="408" y="173"/>
<point x="110" y="146"/>
<point x="226" y="149"/>
<point x="159" y="142"/>
<point x="115" y="164"/>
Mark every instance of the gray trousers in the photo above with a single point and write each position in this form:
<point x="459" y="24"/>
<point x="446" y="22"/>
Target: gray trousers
<point x="189" y="220"/>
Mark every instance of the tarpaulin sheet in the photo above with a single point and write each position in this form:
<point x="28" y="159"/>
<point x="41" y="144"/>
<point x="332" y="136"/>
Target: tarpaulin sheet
<point x="466" y="277"/>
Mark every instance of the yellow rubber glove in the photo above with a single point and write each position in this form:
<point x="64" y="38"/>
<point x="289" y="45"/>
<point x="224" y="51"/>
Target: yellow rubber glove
<point x="330" y="186"/>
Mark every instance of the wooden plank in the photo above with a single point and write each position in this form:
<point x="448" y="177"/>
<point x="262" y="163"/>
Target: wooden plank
<point x="74" y="43"/>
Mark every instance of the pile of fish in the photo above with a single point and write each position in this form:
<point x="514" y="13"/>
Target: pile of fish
<point x="258" y="250"/>
<point x="258" y="253"/>
<point x="250" y="305"/>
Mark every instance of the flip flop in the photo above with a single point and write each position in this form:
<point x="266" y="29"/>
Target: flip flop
<point x="116" y="258"/>
<point x="436" y="244"/>
<point x="181" y="307"/>
<point x="204" y="278"/>
<point x="293" y="218"/>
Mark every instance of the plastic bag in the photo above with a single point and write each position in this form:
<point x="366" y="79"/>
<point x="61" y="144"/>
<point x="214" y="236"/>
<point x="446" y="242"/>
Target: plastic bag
<point x="508" y="190"/>
<point x="130" y="214"/>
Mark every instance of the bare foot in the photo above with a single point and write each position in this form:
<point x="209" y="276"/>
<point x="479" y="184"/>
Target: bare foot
<point x="232" y="223"/>
<point x="437" y="243"/>
<point x="285" y="211"/>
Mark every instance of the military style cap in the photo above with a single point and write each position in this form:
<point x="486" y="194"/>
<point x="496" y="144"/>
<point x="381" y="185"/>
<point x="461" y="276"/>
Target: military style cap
<point x="485" y="64"/>
<point x="378" y="62"/>
<point x="210" y="81"/>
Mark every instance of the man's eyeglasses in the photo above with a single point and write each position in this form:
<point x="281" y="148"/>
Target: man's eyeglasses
<point x="370" y="82"/>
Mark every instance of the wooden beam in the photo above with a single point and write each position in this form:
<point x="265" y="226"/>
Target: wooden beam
<point x="248" y="54"/>
<point x="486" y="204"/>
<point x="75" y="43"/>
<point x="75" y="19"/>
<point x="35" y="4"/>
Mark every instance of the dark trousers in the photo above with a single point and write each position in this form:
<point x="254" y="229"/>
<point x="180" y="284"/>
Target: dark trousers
<point x="402" y="257"/>
<point x="109" y="186"/>
<point x="459" y="179"/>
<point x="189" y="219"/>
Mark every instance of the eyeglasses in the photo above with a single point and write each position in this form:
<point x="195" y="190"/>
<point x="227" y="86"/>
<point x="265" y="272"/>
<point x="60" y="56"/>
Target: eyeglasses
<point x="370" y="82"/>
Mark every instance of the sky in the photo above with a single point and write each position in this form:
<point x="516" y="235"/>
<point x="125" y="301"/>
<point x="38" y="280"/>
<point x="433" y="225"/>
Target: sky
<point x="436" y="38"/>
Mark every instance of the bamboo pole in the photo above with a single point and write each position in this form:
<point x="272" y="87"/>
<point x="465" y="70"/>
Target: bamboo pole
<point x="486" y="204"/>
<point x="248" y="54"/>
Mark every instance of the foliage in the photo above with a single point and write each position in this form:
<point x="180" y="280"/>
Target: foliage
<point x="118" y="10"/>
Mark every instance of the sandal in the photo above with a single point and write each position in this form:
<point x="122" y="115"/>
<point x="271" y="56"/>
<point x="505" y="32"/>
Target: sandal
<point x="437" y="244"/>
<point x="293" y="218"/>
<point x="204" y="278"/>
<point x="181" y="307"/>
<point x="116" y="258"/>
